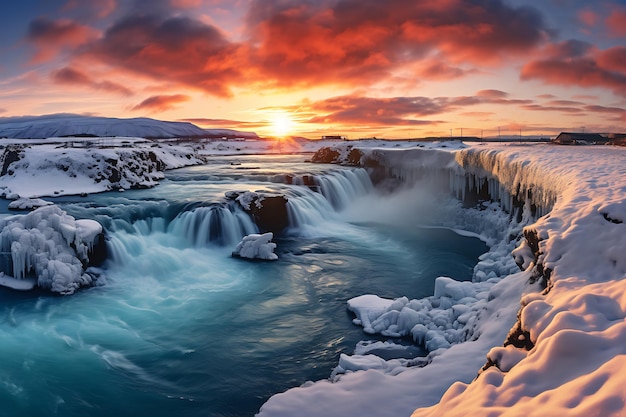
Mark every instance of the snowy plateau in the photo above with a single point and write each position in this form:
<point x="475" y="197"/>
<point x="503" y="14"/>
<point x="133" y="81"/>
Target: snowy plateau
<point x="539" y="331"/>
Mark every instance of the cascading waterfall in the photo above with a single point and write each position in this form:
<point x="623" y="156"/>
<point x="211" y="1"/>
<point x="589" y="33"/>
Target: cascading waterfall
<point x="311" y="201"/>
<point x="217" y="225"/>
<point x="328" y="194"/>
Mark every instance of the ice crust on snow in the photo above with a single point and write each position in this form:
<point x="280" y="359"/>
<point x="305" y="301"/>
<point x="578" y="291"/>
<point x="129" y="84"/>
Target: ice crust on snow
<point x="49" y="246"/>
<point x="257" y="246"/>
<point x="572" y="205"/>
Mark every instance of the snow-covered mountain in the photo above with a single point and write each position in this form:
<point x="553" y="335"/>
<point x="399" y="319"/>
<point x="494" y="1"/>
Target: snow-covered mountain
<point x="61" y="125"/>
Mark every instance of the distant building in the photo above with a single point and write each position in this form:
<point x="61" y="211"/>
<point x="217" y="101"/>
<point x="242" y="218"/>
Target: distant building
<point x="334" y="137"/>
<point x="571" y="138"/>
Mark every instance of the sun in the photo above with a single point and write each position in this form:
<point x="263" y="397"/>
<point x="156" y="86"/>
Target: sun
<point x="281" y="124"/>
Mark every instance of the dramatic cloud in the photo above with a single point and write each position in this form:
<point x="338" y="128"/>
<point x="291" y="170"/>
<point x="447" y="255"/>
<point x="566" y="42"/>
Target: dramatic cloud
<point x="308" y="42"/>
<point x="177" y="49"/>
<point x="52" y="36"/>
<point x="161" y="103"/>
<point x="70" y="76"/>
<point x="580" y="64"/>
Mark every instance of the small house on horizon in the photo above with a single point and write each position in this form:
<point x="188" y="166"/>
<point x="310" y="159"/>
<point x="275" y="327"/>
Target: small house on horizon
<point x="334" y="137"/>
<point x="575" y="138"/>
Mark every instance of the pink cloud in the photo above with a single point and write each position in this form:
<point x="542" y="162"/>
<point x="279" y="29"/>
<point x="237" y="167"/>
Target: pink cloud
<point x="580" y="64"/>
<point x="588" y="17"/>
<point x="616" y="22"/>
<point x="52" y="36"/>
<point x="161" y="103"/>
<point x="73" y="77"/>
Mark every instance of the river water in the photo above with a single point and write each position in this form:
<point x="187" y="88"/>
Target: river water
<point x="180" y="328"/>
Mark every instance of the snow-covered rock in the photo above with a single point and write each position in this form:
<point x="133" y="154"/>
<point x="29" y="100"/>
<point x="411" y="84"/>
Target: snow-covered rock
<point x="257" y="246"/>
<point x="50" y="247"/>
<point x="28" y="203"/>
<point x="49" y="170"/>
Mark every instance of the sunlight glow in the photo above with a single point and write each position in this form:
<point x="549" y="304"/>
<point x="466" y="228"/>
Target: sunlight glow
<point x="281" y="124"/>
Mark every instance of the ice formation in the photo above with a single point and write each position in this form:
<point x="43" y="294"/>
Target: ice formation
<point x="28" y="203"/>
<point x="257" y="246"/>
<point x="49" y="246"/>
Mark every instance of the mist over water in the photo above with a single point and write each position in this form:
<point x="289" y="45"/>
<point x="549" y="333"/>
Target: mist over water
<point x="178" y="327"/>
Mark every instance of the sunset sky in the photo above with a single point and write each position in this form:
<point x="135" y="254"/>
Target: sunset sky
<point x="360" y="68"/>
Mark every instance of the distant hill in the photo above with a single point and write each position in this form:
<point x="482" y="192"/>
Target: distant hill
<point x="63" y="125"/>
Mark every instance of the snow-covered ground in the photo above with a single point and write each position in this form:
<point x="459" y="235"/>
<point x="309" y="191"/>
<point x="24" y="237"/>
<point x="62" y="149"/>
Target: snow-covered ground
<point x="572" y="363"/>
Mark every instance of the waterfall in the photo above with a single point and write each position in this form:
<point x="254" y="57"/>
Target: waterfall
<point x="318" y="198"/>
<point x="215" y="224"/>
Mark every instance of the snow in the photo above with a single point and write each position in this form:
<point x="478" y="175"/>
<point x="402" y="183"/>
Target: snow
<point x="257" y="246"/>
<point x="53" y="170"/>
<point x="576" y="326"/>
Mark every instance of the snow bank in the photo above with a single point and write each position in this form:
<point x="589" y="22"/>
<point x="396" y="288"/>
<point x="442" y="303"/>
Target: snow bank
<point x="565" y="350"/>
<point x="49" y="170"/>
<point x="256" y="246"/>
<point x="49" y="246"/>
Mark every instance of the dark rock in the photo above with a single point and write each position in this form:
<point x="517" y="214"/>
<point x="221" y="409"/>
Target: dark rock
<point x="99" y="251"/>
<point x="268" y="211"/>
<point x="11" y="154"/>
<point x="270" y="214"/>
<point x="326" y="155"/>
<point x="354" y="157"/>
<point x="115" y="176"/>
<point x="611" y="219"/>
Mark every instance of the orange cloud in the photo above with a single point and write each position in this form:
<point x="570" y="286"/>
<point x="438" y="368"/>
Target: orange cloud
<point x="161" y="103"/>
<point x="70" y="76"/>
